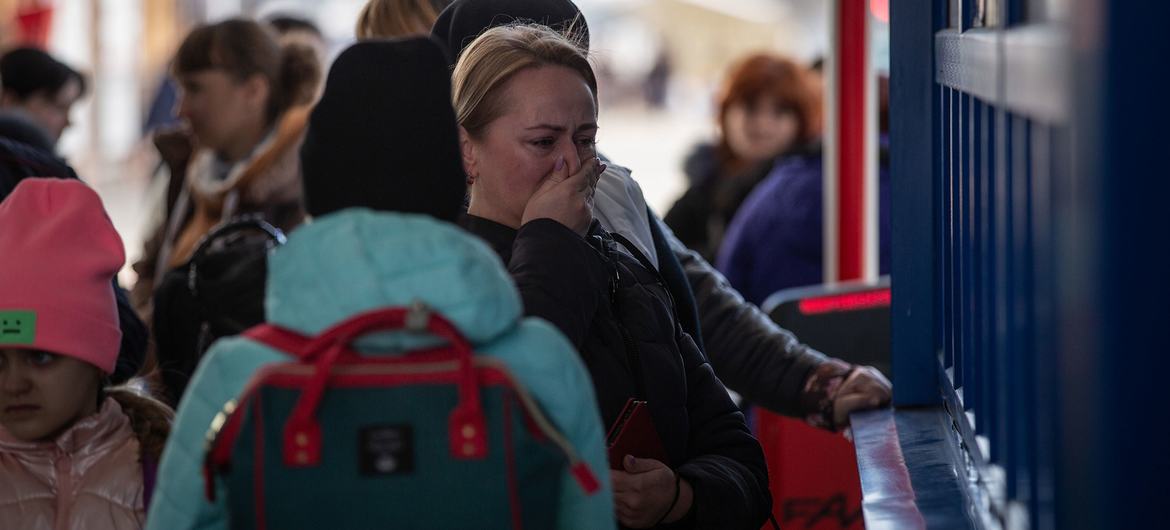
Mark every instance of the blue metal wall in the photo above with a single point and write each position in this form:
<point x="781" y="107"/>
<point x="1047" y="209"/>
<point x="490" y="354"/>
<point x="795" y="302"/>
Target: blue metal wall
<point x="1114" y="460"/>
<point x="1029" y="294"/>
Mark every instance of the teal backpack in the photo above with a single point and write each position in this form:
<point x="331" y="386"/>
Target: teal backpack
<point x="435" y="438"/>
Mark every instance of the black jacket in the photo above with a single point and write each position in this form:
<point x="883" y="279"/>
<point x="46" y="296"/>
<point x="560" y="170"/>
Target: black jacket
<point x="621" y="318"/>
<point x="763" y="362"/>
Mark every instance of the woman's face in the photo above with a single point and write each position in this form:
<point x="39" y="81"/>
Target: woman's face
<point x="760" y="129"/>
<point x="42" y="394"/>
<point x="221" y="110"/>
<point x="549" y="114"/>
<point x="51" y="111"/>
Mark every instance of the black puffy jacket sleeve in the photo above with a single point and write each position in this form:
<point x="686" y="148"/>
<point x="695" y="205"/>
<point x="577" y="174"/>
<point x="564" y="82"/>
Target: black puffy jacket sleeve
<point x="552" y="264"/>
<point x="725" y="464"/>
<point x="752" y="355"/>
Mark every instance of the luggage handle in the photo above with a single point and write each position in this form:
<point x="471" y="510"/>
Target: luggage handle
<point x="466" y="427"/>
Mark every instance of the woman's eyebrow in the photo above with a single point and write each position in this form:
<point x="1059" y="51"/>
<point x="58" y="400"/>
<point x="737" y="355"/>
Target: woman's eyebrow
<point x="558" y="128"/>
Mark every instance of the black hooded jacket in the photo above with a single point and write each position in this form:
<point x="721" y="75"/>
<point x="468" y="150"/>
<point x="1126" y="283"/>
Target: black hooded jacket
<point x="621" y="318"/>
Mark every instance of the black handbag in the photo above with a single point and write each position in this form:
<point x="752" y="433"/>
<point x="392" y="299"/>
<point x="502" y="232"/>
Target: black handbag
<point x="217" y="293"/>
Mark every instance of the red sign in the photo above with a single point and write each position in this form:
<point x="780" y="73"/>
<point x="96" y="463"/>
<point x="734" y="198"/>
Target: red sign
<point x="845" y="302"/>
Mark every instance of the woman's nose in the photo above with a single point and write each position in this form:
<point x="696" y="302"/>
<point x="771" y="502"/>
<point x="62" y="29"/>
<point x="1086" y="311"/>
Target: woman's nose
<point x="182" y="109"/>
<point x="757" y="121"/>
<point x="572" y="158"/>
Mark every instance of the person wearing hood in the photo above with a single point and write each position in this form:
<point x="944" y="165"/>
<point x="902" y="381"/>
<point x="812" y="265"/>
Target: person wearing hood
<point x="382" y="236"/>
<point x="753" y="356"/>
<point x="245" y="99"/>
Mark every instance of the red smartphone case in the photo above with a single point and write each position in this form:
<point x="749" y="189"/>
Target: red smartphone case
<point x="633" y="433"/>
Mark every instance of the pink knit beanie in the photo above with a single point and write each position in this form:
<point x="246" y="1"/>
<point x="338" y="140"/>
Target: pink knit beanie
<point x="58" y="257"/>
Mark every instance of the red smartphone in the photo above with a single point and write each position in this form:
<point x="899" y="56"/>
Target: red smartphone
<point x="633" y="433"/>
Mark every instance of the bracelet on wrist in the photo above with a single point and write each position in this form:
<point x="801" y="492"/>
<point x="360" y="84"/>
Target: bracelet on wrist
<point x="820" y="392"/>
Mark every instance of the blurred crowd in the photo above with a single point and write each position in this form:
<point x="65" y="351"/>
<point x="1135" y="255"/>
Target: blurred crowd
<point x="445" y="167"/>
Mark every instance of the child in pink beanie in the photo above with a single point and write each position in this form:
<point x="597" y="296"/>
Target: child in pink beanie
<point x="69" y="447"/>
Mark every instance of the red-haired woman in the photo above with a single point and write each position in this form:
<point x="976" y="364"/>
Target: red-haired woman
<point x="767" y="110"/>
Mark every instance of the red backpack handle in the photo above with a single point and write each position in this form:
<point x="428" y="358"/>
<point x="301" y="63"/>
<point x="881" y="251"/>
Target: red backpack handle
<point x="417" y="318"/>
<point x="467" y="433"/>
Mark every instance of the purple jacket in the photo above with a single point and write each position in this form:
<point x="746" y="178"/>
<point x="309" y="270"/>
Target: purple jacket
<point x="775" y="241"/>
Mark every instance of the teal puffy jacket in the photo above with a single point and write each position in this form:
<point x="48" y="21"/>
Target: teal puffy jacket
<point x="355" y="261"/>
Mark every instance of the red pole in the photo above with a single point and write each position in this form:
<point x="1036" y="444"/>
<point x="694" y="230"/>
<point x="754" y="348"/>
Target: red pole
<point x="806" y="464"/>
<point x="35" y="20"/>
<point x="851" y="139"/>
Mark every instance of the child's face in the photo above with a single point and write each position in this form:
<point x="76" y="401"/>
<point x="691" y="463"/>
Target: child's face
<point x="42" y="394"/>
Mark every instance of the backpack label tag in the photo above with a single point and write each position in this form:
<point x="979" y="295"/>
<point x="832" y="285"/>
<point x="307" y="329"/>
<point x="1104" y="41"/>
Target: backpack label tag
<point x="386" y="450"/>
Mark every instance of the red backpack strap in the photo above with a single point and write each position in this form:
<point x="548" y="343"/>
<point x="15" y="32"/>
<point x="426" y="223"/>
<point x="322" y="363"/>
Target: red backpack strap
<point x="226" y="425"/>
<point x="278" y="338"/>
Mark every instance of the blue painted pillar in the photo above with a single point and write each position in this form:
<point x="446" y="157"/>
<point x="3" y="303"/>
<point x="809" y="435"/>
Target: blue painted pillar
<point x="1113" y="285"/>
<point x="914" y="125"/>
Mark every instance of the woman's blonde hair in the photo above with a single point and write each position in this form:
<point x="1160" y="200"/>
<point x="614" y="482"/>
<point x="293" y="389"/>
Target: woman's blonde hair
<point x="384" y="19"/>
<point x="496" y="55"/>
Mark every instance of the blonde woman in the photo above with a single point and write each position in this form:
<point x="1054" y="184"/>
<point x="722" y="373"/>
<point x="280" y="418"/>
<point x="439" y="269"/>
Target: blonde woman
<point x="382" y="19"/>
<point x="526" y="101"/>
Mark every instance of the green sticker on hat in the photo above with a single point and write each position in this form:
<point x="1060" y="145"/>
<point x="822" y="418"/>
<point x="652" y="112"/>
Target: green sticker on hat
<point x="18" y="327"/>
